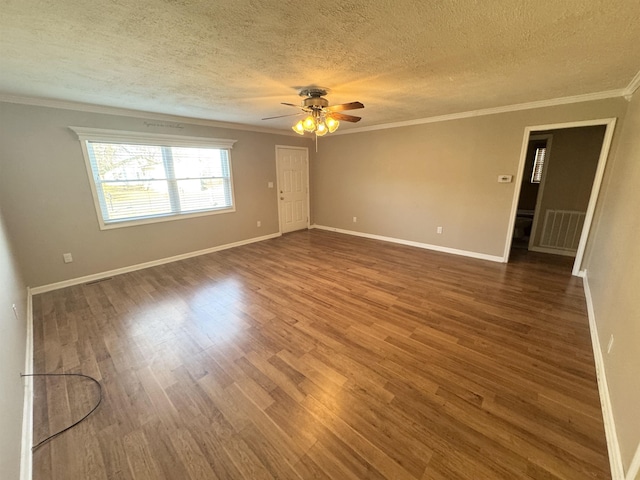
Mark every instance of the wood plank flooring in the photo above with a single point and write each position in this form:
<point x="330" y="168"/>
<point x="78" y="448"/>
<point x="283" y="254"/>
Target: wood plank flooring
<point x="322" y="356"/>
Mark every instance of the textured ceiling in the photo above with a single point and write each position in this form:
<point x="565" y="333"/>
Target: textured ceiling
<point x="236" y="60"/>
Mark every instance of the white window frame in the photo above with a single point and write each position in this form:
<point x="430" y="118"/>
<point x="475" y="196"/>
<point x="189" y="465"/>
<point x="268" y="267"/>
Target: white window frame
<point x="539" y="164"/>
<point x="86" y="135"/>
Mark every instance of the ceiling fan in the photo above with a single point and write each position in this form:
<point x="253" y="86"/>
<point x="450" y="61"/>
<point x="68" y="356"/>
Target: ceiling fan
<point x="322" y="118"/>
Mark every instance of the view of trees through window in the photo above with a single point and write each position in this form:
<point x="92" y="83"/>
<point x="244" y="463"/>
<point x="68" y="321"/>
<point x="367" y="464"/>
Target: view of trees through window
<point x="139" y="181"/>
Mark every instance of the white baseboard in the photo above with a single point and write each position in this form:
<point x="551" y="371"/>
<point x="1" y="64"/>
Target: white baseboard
<point x="26" y="456"/>
<point x="132" y="268"/>
<point x="634" y="469"/>
<point x="615" y="458"/>
<point x="427" y="246"/>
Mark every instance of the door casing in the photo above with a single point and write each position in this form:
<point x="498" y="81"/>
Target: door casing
<point x="610" y="124"/>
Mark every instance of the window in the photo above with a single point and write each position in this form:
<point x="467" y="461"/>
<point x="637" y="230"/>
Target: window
<point x="538" y="164"/>
<point x="142" y="178"/>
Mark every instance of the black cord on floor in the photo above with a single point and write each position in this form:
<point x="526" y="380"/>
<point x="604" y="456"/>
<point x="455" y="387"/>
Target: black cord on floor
<point x="51" y="437"/>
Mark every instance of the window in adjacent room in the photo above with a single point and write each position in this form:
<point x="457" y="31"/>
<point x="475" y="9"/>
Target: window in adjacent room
<point x="142" y="178"/>
<point x="538" y="164"/>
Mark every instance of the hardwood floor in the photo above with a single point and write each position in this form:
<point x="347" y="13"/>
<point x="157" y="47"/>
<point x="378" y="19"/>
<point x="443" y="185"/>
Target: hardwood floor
<point x="322" y="356"/>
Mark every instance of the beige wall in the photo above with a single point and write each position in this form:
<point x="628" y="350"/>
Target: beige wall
<point x="613" y="270"/>
<point x="404" y="182"/>
<point x="13" y="333"/>
<point x="571" y="168"/>
<point x="51" y="210"/>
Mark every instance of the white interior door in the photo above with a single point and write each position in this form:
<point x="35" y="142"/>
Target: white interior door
<point x="293" y="189"/>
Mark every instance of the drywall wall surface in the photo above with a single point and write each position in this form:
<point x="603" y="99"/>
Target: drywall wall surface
<point x="13" y="337"/>
<point x="613" y="271"/>
<point x="405" y="182"/>
<point x="50" y="209"/>
<point x="571" y="169"/>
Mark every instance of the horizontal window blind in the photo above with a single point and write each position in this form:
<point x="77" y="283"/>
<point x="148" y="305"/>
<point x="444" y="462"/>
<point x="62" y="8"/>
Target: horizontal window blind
<point x="138" y="182"/>
<point x="538" y="165"/>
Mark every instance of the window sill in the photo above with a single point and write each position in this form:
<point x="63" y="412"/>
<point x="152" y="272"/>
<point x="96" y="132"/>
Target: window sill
<point x="161" y="218"/>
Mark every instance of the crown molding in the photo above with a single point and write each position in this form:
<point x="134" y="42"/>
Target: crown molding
<point x="491" y="111"/>
<point x="633" y="85"/>
<point x="126" y="112"/>
<point x="85" y="107"/>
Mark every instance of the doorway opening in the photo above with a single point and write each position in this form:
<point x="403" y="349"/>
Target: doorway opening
<point x="538" y="153"/>
<point x="559" y="175"/>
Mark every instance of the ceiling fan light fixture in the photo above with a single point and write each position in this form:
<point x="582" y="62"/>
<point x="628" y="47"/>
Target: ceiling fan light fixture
<point x="321" y="118"/>
<point x="309" y="124"/>
<point x="332" y="124"/>
<point x="298" y="128"/>
<point x="321" y="129"/>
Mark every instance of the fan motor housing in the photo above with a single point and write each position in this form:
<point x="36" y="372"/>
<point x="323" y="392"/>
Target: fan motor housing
<point x="314" y="97"/>
<point x="315" y="102"/>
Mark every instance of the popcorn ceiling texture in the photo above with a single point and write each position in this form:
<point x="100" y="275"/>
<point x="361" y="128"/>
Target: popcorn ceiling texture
<point x="235" y="60"/>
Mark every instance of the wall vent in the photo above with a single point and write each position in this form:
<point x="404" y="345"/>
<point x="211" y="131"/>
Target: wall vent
<point x="562" y="229"/>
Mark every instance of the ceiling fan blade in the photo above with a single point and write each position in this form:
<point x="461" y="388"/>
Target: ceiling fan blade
<point x="280" y="116"/>
<point x="343" y="117"/>
<point x="344" y="106"/>
<point x="290" y="104"/>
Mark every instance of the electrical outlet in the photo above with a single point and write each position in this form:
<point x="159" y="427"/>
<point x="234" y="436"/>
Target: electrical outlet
<point x="270" y="185"/>
<point x="258" y="223"/>
<point x="67" y="258"/>
<point x="439" y="230"/>
<point x="355" y="219"/>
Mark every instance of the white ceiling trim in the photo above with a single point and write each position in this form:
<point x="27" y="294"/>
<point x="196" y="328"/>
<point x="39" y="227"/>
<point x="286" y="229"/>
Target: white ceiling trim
<point x="125" y="112"/>
<point x="490" y="111"/>
<point x="633" y="85"/>
<point x="85" y="107"/>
